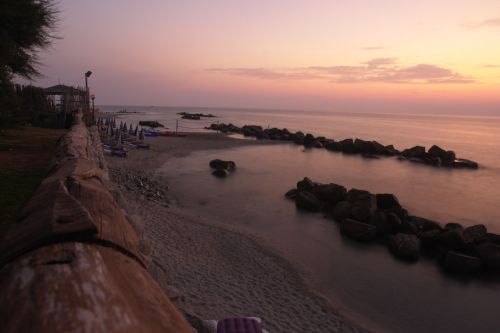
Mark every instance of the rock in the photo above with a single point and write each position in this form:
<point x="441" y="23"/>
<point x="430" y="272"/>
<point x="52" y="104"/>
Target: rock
<point x="387" y="201"/>
<point x="475" y="233"/>
<point x="221" y="173"/>
<point x="423" y="224"/>
<point x="390" y="150"/>
<point x="448" y="158"/>
<point x="334" y="146"/>
<point x="341" y="210"/>
<point x="489" y="254"/>
<point x="291" y="194"/>
<point x="355" y="195"/>
<point x="348" y="146"/>
<point x="453" y="226"/>
<point x="451" y="239"/>
<point x="415" y="152"/>
<point x="359" y="231"/>
<point x="307" y="201"/>
<point x="331" y="193"/>
<point x="490" y="238"/>
<point x="434" y="161"/>
<point x="309" y="138"/>
<point x="405" y="246"/>
<point x="316" y="144"/>
<point x="220" y="164"/>
<point x="306" y="185"/>
<point x="463" y="163"/>
<point x="436" y="151"/>
<point x="408" y="227"/>
<point x="363" y="146"/>
<point x="461" y="263"/>
<point x="386" y="223"/>
<point x="360" y="213"/>
<point x="430" y="238"/>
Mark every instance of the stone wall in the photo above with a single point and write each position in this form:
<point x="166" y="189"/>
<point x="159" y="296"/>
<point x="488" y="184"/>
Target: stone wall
<point x="71" y="262"/>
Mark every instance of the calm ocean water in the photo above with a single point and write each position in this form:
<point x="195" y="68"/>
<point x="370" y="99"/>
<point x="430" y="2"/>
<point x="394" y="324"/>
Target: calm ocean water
<point x="363" y="280"/>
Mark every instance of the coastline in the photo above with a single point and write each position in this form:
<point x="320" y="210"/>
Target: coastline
<point x="210" y="270"/>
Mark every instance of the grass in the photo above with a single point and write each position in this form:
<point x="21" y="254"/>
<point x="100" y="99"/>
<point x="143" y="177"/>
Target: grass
<point x="25" y="155"/>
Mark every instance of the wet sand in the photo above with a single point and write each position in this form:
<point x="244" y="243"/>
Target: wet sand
<point x="209" y="270"/>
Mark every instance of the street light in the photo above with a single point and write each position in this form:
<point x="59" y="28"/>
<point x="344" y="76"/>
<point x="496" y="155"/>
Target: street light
<point x="92" y="97"/>
<point x="87" y="74"/>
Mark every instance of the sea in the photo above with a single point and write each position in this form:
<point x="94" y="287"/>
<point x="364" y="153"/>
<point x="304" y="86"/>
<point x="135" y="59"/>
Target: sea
<point x="363" y="281"/>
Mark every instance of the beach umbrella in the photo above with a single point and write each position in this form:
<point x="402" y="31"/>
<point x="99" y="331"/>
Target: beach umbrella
<point x="112" y="133"/>
<point x="136" y="130"/>
<point x="119" y="140"/>
<point x="141" y="135"/>
<point x="124" y="127"/>
<point x="131" y="130"/>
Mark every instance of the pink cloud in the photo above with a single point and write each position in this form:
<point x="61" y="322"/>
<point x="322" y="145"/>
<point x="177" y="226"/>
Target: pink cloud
<point x="375" y="70"/>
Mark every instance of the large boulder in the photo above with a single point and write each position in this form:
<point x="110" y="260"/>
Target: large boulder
<point x="363" y="146"/>
<point x="362" y="198"/>
<point x="448" y="158"/>
<point x="341" y="211"/>
<point x="489" y="254"/>
<point x="423" y="224"/>
<point x="436" y="151"/>
<point x="429" y="238"/>
<point x="387" y="223"/>
<point x="456" y="262"/>
<point x="348" y="146"/>
<point x="390" y="150"/>
<point x="451" y="240"/>
<point x="334" y="146"/>
<point x="475" y="233"/>
<point x="415" y="152"/>
<point x="360" y="213"/>
<point x="291" y="194"/>
<point x="307" y="201"/>
<point x="387" y="201"/>
<point x="405" y="246"/>
<point x="309" y="139"/>
<point x="220" y="164"/>
<point x="357" y="230"/>
<point x="331" y="193"/>
<point x="221" y="173"/>
<point x="306" y="185"/>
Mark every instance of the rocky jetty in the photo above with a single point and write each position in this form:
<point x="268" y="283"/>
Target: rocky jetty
<point x="380" y="218"/>
<point x="435" y="156"/>
<point x="149" y="123"/>
<point x="222" y="168"/>
<point x="195" y="116"/>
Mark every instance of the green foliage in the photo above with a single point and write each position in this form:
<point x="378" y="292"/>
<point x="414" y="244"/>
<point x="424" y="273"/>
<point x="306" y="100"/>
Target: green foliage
<point x="26" y="26"/>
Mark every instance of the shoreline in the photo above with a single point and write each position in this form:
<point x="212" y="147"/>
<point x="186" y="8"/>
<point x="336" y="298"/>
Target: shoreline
<point x="209" y="269"/>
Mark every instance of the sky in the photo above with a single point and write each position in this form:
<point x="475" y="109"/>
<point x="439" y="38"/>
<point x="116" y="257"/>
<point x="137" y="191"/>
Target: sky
<point x="352" y="55"/>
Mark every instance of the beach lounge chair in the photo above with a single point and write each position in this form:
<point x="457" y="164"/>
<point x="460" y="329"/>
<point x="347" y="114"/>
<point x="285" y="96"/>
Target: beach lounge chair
<point x="239" y="325"/>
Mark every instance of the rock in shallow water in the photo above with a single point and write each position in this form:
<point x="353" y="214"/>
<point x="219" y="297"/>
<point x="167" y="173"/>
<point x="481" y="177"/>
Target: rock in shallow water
<point x="405" y="246"/>
<point x="307" y="201"/>
<point x="221" y="173"/>
<point x="357" y="230"/>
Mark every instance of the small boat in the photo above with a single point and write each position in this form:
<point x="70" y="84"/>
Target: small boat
<point x="151" y="133"/>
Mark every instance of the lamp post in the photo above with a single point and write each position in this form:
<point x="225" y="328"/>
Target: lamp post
<point x="87" y="75"/>
<point x="92" y="97"/>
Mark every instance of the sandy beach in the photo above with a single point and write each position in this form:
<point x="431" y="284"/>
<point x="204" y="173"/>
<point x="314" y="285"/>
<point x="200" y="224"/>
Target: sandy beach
<point x="209" y="270"/>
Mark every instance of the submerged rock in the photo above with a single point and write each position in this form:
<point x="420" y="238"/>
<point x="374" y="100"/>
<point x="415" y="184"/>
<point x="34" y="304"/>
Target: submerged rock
<point x="220" y="164"/>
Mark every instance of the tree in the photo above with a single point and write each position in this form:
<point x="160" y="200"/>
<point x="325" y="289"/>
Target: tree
<point x="26" y="27"/>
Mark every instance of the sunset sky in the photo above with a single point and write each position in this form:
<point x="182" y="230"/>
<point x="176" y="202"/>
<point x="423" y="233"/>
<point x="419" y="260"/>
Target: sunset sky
<point x="356" y="55"/>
